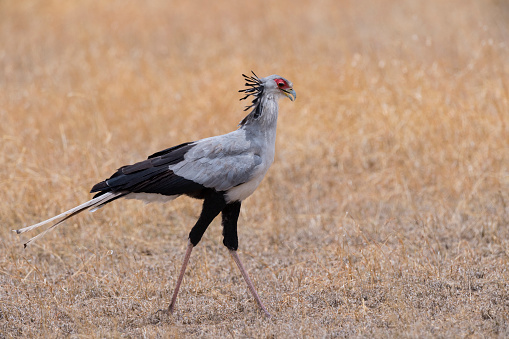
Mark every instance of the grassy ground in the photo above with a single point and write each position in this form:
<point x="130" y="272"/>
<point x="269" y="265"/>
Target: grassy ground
<point x="385" y="214"/>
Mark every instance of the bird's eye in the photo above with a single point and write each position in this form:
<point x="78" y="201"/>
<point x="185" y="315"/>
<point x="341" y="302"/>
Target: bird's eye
<point x="280" y="83"/>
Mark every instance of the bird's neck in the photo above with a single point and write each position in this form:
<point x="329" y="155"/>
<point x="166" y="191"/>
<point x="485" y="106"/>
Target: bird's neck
<point x="264" y="115"/>
<point x="261" y="130"/>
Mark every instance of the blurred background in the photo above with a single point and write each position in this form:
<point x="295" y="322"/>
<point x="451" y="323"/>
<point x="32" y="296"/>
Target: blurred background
<point x="394" y="157"/>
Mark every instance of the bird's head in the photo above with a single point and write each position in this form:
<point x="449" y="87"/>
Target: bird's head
<point x="278" y="85"/>
<point x="272" y="85"/>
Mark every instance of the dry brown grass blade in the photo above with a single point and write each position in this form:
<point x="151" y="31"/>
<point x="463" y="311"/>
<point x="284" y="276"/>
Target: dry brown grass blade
<point x="401" y="122"/>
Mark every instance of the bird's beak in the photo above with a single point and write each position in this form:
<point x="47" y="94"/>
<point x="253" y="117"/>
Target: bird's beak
<point x="289" y="93"/>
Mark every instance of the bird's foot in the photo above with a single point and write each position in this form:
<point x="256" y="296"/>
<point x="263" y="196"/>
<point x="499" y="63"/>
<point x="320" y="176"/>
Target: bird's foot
<point x="161" y="315"/>
<point x="266" y="313"/>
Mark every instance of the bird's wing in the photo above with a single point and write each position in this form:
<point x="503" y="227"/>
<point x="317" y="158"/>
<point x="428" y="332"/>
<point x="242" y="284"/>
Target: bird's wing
<point x="151" y="176"/>
<point x="221" y="162"/>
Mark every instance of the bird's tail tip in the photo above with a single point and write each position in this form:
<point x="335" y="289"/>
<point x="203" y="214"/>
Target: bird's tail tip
<point x="95" y="203"/>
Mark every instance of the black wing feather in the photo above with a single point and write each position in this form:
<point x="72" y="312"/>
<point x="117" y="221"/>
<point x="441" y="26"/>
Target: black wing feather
<point x="176" y="152"/>
<point x="151" y="175"/>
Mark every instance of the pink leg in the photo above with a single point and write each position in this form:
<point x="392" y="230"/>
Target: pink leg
<point x="236" y="258"/>
<point x="181" y="276"/>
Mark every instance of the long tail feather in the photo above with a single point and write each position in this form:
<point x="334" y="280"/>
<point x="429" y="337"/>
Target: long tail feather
<point x="94" y="203"/>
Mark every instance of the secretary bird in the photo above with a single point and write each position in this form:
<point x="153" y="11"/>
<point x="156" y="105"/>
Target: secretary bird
<point x="222" y="171"/>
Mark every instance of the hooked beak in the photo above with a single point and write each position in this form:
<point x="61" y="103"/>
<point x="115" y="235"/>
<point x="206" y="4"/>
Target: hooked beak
<point x="289" y="93"/>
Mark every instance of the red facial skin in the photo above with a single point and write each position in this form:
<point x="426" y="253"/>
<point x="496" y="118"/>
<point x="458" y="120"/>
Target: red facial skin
<point x="281" y="84"/>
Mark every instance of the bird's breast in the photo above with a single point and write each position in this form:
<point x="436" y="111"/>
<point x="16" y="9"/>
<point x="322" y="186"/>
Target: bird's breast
<point x="242" y="191"/>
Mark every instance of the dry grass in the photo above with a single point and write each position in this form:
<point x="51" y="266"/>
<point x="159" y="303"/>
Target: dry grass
<point x="385" y="214"/>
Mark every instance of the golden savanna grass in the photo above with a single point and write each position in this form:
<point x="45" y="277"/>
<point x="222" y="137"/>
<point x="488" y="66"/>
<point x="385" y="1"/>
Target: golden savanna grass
<point x="385" y="213"/>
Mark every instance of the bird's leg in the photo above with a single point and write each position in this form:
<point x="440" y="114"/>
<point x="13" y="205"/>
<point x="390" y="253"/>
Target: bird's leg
<point x="213" y="204"/>
<point x="181" y="276"/>
<point x="249" y="283"/>
<point x="230" y="216"/>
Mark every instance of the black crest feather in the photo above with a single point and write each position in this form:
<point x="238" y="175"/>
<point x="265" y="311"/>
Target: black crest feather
<point x="254" y="88"/>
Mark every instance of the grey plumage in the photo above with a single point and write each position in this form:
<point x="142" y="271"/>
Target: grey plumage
<point x="220" y="162"/>
<point x="223" y="170"/>
<point x="233" y="163"/>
